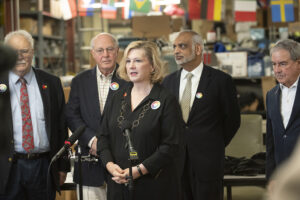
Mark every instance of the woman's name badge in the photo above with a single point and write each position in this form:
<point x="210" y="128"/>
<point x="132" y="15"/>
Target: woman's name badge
<point x="114" y="86"/>
<point x="3" y="88"/>
<point x="199" y="95"/>
<point x="155" y="105"/>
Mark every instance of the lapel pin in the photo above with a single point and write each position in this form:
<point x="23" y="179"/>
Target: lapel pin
<point x="3" y="88"/>
<point x="44" y="87"/>
<point x="155" y="105"/>
<point x="199" y="95"/>
<point x="125" y="94"/>
<point x="114" y="86"/>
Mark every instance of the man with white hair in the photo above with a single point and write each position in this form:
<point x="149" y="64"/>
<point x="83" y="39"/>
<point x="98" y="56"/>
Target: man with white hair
<point x="210" y="114"/>
<point x="32" y="125"/>
<point x="283" y="107"/>
<point x="90" y="90"/>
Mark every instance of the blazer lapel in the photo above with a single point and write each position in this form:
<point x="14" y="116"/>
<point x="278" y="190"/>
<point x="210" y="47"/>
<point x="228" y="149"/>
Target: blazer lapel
<point x="177" y="84"/>
<point x="5" y="105"/>
<point x="93" y="92"/>
<point x="202" y="87"/>
<point x="45" y="94"/>
<point x="115" y="85"/>
<point x="296" y="107"/>
<point x="277" y="115"/>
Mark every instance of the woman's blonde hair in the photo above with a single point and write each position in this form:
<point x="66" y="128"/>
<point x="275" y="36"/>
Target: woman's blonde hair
<point x="152" y="54"/>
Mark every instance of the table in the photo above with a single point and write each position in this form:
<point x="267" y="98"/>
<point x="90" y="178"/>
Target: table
<point x="232" y="180"/>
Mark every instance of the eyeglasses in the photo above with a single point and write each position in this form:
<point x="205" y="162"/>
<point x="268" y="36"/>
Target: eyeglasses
<point x="101" y="51"/>
<point x="24" y="52"/>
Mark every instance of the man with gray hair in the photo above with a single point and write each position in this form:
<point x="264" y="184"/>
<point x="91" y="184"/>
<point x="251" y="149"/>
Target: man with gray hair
<point x="211" y="118"/>
<point x="32" y="124"/>
<point x="283" y="107"/>
<point x="90" y="90"/>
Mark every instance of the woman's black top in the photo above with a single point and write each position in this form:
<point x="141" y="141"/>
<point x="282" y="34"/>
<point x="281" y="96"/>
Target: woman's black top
<point x="155" y="131"/>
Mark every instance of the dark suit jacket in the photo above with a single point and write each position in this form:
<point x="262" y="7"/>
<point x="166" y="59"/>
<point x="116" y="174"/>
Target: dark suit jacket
<point x="53" y="101"/>
<point x="214" y="119"/>
<point x="83" y="109"/>
<point x="280" y="141"/>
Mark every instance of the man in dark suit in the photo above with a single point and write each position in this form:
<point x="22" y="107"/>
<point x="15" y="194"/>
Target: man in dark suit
<point x="89" y="92"/>
<point x="32" y="125"/>
<point x="210" y="114"/>
<point x="283" y="107"/>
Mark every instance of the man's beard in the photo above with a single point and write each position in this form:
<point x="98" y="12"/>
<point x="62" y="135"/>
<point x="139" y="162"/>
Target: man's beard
<point x="186" y="60"/>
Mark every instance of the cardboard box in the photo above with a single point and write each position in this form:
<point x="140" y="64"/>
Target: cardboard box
<point x="294" y="27"/>
<point x="202" y="27"/>
<point x="151" y="26"/>
<point x="177" y="23"/>
<point x="35" y="5"/>
<point x="233" y="63"/>
<point x="30" y="25"/>
<point x="267" y="83"/>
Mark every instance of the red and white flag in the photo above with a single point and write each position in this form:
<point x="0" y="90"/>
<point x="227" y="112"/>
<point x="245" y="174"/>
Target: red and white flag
<point x="245" y="10"/>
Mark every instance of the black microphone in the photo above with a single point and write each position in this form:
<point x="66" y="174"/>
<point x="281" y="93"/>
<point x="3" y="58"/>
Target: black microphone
<point x="69" y="142"/>
<point x="126" y="132"/>
<point x="8" y="58"/>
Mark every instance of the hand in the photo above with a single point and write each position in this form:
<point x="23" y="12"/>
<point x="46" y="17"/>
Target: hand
<point x="271" y="186"/>
<point x="93" y="149"/>
<point x="62" y="177"/>
<point x="119" y="175"/>
<point x="135" y="172"/>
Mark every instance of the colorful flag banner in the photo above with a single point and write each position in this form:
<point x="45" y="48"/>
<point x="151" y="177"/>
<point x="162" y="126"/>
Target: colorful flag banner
<point x="85" y="7"/>
<point x="108" y="2"/>
<point x="109" y="12"/>
<point x="211" y="9"/>
<point x="282" y="10"/>
<point x="140" y="5"/>
<point x="194" y="9"/>
<point x="245" y="10"/>
<point x="126" y="13"/>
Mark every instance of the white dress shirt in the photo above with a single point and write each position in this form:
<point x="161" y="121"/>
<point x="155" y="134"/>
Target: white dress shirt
<point x="103" y="85"/>
<point x="287" y="101"/>
<point x="197" y="72"/>
<point x="41" y="142"/>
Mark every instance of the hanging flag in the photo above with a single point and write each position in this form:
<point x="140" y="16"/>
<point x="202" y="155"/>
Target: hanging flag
<point x="282" y="10"/>
<point x="245" y="10"/>
<point x="109" y="12"/>
<point x="194" y="9"/>
<point x="211" y="10"/>
<point x="69" y="9"/>
<point x="140" y="5"/>
<point x="108" y="2"/>
<point x="85" y="7"/>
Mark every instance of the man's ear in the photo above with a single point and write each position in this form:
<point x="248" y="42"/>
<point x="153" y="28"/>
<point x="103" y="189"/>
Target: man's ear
<point x="198" y="49"/>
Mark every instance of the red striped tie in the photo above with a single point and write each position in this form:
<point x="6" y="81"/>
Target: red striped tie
<point x="27" y="137"/>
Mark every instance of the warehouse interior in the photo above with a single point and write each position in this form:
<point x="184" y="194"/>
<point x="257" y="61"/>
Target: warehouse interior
<point x="234" y="43"/>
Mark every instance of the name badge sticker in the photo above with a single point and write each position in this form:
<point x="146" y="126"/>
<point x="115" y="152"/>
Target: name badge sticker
<point x="155" y="105"/>
<point x="3" y="88"/>
<point x="199" y="95"/>
<point x="114" y="86"/>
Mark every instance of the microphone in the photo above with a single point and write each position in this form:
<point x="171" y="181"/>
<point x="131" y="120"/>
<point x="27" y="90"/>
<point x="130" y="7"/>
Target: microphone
<point x="8" y="58"/>
<point x="126" y="132"/>
<point x="69" y="142"/>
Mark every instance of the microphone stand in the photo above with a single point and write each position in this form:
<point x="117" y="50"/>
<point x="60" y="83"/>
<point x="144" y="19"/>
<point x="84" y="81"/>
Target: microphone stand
<point x="133" y="155"/>
<point x="79" y="172"/>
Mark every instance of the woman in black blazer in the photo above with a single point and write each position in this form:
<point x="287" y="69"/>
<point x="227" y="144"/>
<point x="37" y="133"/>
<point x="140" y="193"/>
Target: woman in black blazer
<point x="154" y="120"/>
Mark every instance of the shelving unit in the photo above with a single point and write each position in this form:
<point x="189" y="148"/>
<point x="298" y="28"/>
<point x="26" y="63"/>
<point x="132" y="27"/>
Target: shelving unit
<point x="49" y="35"/>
